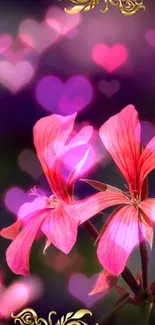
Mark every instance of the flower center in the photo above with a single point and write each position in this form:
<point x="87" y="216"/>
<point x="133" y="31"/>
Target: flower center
<point x="51" y="202"/>
<point x="135" y="198"/>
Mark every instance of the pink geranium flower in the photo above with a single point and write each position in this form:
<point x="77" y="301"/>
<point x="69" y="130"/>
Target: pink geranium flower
<point x="131" y="222"/>
<point x="57" y="216"/>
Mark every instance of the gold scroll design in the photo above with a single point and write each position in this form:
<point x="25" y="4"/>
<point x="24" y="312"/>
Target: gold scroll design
<point x="29" y="317"/>
<point x="126" y="7"/>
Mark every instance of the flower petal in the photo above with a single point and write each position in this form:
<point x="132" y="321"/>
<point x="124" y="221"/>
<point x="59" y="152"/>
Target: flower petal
<point x="148" y="206"/>
<point x="50" y="136"/>
<point x="119" y="239"/>
<point x="121" y="137"/>
<point x="12" y="231"/>
<point x="87" y="208"/>
<point x="104" y="283"/>
<point x="146" y="228"/>
<point x="17" y="254"/>
<point x="74" y="173"/>
<point x="61" y="229"/>
<point x="101" y="186"/>
<point x="28" y="209"/>
<point x="147" y="161"/>
<point x="81" y="138"/>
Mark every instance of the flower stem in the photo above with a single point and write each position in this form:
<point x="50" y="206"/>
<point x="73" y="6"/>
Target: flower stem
<point x="110" y="314"/>
<point x="126" y="274"/>
<point x="144" y="263"/>
<point x="131" y="281"/>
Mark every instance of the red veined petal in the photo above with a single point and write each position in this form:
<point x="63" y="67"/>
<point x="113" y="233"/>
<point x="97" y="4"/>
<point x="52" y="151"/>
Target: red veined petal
<point x="60" y="229"/>
<point x="147" y="161"/>
<point x="146" y="228"/>
<point x="121" y="137"/>
<point x="85" y="209"/>
<point x="121" y="236"/>
<point x="17" y="254"/>
<point x="50" y="136"/>
<point x="148" y="206"/>
<point x="12" y="231"/>
<point x="104" y="283"/>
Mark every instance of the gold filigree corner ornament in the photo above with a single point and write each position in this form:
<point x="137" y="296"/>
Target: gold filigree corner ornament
<point x="126" y="7"/>
<point x="29" y="317"/>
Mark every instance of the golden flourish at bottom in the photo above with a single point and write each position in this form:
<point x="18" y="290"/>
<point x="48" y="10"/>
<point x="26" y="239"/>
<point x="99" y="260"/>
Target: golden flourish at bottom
<point x="29" y="317"/>
<point x="126" y="7"/>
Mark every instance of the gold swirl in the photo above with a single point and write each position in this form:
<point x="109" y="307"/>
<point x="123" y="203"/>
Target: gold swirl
<point x="74" y="318"/>
<point x="126" y="7"/>
<point x="29" y="317"/>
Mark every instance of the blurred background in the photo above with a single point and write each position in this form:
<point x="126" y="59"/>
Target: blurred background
<point x="51" y="62"/>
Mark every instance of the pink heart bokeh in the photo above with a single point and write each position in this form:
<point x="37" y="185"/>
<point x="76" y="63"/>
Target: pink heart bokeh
<point x="109" y="58"/>
<point x="56" y="18"/>
<point x="5" y="42"/>
<point x="80" y="286"/>
<point x="15" y="76"/>
<point x="17" y="51"/>
<point x="38" y="36"/>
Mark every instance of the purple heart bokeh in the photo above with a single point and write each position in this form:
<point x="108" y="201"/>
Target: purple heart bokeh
<point x="150" y="36"/>
<point x="80" y="286"/>
<point x="109" y="88"/>
<point x="64" y="98"/>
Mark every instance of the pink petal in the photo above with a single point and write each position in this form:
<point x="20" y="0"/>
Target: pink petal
<point x="74" y="173"/>
<point x="12" y="231"/>
<point x="104" y="283"/>
<point x="148" y="206"/>
<point x="81" y="138"/>
<point x="146" y="228"/>
<point x="121" y="137"/>
<point x="147" y="161"/>
<point x="17" y="254"/>
<point x="28" y="209"/>
<point x="87" y="208"/>
<point x="61" y="229"/>
<point x="119" y="239"/>
<point x="50" y="136"/>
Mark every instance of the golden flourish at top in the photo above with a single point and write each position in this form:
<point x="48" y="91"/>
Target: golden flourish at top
<point x="126" y="7"/>
<point x="29" y="317"/>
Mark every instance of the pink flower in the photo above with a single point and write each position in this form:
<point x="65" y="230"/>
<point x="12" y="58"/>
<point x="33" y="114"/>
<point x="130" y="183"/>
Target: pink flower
<point x="104" y="283"/>
<point x="132" y="221"/>
<point x="57" y="216"/>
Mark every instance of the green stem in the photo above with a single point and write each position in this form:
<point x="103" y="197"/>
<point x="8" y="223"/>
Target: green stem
<point x="147" y="313"/>
<point x="104" y="319"/>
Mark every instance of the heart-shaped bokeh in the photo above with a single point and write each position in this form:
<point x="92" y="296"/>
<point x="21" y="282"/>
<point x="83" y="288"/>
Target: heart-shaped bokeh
<point x="17" y="51"/>
<point x="37" y="36"/>
<point x="64" y="98"/>
<point x="66" y="264"/>
<point x="28" y="161"/>
<point x="109" y="88"/>
<point x="80" y="286"/>
<point x="15" y="197"/>
<point x="57" y="19"/>
<point x="5" y="42"/>
<point x="109" y="58"/>
<point x="15" y="76"/>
